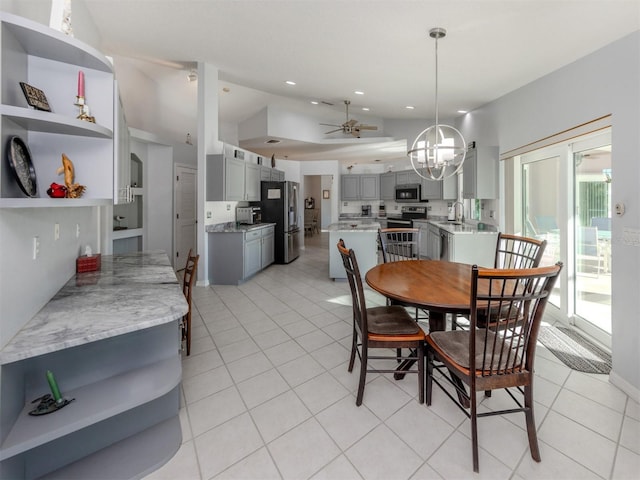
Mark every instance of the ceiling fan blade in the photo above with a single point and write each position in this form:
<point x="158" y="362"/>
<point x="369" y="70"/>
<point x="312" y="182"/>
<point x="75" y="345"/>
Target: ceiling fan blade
<point x="350" y="123"/>
<point x="330" y="125"/>
<point x="367" y="127"/>
<point x="334" y="131"/>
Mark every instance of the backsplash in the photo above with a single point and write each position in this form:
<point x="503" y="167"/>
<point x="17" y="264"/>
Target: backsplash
<point x="219" y="212"/>
<point x="435" y="208"/>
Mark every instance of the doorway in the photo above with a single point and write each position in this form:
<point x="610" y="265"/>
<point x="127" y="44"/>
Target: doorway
<point x="185" y="200"/>
<point x="566" y="200"/>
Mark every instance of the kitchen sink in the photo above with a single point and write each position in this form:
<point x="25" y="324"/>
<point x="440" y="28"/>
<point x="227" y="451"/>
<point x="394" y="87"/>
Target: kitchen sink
<point x="450" y="223"/>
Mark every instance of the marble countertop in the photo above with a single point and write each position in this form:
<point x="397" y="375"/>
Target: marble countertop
<point x="464" y="228"/>
<point x="231" y="227"/>
<point x="354" y="226"/>
<point x="131" y="292"/>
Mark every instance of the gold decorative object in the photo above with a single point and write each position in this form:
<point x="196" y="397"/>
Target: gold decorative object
<point x="74" y="190"/>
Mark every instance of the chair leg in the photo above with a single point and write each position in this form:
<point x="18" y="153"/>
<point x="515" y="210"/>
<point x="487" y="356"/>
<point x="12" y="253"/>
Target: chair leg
<point x="429" y="388"/>
<point x="354" y="347"/>
<point x="531" y="423"/>
<point x="363" y="376"/>
<point x="420" y="353"/>
<point x="474" y="430"/>
<point x="398" y="355"/>
<point x="188" y="334"/>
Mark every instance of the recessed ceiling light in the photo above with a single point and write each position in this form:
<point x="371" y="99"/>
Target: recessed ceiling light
<point x="358" y="92"/>
<point x="462" y="111"/>
<point x="409" y="107"/>
<point x="366" y="109"/>
<point x="290" y="82"/>
<point x="313" y="102"/>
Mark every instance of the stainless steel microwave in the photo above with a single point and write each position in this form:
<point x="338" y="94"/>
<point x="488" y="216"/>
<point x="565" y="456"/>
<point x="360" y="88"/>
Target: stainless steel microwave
<point x="408" y="193"/>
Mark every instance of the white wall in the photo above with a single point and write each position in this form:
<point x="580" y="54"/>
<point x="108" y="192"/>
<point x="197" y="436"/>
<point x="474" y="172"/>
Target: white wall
<point x="605" y="82"/>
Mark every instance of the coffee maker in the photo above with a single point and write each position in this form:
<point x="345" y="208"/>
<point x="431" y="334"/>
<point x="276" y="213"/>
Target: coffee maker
<point x="366" y="210"/>
<point x="382" y="212"/>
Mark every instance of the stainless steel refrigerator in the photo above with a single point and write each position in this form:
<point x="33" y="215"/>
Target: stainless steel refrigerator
<point x="279" y="201"/>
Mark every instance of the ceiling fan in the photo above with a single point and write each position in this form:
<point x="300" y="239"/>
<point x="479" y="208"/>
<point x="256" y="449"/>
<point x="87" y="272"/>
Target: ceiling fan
<point x="350" y="126"/>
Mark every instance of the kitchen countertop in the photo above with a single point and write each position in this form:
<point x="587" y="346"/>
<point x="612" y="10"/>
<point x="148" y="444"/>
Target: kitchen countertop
<point x="465" y="228"/>
<point x="231" y="227"/>
<point x="131" y="292"/>
<point x="354" y="226"/>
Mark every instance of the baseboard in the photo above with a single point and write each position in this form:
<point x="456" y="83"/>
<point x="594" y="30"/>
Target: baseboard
<point x="632" y="391"/>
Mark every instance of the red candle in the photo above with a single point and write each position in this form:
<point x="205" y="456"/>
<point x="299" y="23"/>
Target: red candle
<point x="81" y="84"/>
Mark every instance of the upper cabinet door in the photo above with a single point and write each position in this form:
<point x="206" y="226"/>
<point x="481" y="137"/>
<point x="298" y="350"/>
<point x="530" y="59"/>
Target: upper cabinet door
<point x="234" y="179"/>
<point x="252" y="182"/>
<point x="350" y="187"/>
<point x="369" y="187"/>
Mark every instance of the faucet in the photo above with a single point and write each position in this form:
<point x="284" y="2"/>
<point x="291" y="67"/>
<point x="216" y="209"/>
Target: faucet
<point x="459" y="218"/>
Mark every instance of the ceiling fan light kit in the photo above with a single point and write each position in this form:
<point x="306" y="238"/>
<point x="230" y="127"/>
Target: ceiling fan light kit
<point x="439" y="150"/>
<point x="350" y="126"/>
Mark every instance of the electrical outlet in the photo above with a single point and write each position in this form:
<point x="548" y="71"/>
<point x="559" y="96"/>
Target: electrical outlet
<point x="208" y="214"/>
<point x="228" y="207"/>
<point x="36" y="247"/>
<point x="56" y="231"/>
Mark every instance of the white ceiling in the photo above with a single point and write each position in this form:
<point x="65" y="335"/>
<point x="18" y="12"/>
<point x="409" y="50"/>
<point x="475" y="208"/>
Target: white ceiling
<point x="331" y="48"/>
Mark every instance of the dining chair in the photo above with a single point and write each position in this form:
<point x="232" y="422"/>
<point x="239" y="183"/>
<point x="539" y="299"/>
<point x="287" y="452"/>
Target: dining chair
<point x="401" y="244"/>
<point x="501" y="358"/>
<point x="514" y="251"/>
<point x="188" y="280"/>
<point x="380" y="327"/>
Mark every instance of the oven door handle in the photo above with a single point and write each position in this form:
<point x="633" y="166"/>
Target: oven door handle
<point x="400" y="222"/>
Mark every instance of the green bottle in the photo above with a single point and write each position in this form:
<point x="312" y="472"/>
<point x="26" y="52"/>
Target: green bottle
<point x="55" y="391"/>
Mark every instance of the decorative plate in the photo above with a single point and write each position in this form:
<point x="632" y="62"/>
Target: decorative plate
<point x="20" y="162"/>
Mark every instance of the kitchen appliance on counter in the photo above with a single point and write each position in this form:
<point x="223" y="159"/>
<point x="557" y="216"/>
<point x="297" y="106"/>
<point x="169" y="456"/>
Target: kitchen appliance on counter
<point x="248" y="215"/>
<point x="280" y="206"/>
<point x="408" y="193"/>
<point x="382" y="212"/>
<point x="366" y="210"/>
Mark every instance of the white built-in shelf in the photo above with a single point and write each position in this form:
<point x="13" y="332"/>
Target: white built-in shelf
<point x="41" y="41"/>
<point x="53" y="202"/>
<point x="93" y="403"/>
<point x="127" y="233"/>
<point x="48" y="122"/>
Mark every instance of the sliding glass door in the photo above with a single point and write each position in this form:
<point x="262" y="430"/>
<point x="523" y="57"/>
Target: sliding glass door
<point x="566" y="200"/>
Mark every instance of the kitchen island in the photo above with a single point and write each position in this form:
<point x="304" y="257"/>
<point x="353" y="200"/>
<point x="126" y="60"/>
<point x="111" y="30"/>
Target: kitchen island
<point x="111" y="338"/>
<point x="359" y="235"/>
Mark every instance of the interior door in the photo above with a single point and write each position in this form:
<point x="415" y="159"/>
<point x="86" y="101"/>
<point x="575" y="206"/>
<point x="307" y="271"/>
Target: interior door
<point x="186" y="216"/>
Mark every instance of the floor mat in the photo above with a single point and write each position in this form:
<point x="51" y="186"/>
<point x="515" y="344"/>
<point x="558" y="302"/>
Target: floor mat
<point x="574" y="350"/>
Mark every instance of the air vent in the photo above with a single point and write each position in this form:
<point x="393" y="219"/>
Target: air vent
<point x="272" y="141"/>
<point x="326" y="103"/>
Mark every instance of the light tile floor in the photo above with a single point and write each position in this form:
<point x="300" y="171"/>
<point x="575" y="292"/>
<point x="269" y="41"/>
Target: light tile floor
<point x="267" y="395"/>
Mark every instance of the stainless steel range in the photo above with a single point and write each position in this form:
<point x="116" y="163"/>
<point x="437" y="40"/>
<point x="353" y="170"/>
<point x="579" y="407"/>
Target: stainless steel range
<point x="407" y="215"/>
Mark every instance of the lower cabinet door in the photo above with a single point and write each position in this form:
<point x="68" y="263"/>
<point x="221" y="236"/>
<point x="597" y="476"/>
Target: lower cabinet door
<point x="268" y="253"/>
<point x="252" y="257"/>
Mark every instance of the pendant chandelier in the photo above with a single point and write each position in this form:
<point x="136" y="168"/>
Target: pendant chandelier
<point x="439" y="150"/>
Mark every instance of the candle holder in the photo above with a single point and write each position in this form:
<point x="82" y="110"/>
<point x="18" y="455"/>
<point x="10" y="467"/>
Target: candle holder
<point x="47" y="404"/>
<point x="84" y="110"/>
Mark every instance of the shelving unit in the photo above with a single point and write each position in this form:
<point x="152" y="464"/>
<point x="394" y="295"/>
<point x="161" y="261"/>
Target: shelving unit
<point x="49" y="60"/>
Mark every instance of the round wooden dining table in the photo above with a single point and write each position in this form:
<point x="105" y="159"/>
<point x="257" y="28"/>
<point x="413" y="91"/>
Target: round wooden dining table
<point x="437" y="286"/>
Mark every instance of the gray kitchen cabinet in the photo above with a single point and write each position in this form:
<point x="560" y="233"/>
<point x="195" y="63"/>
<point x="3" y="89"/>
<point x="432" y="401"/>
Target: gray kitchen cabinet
<point x="431" y="189"/>
<point x="237" y="255"/>
<point x="252" y="182"/>
<point x="388" y="186"/>
<point x="277" y="175"/>
<point x="360" y="187"/>
<point x="350" y="187"/>
<point x="480" y="173"/>
<point x="252" y="252"/>
<point x="424" y="236"/>
<point x="265" y="173"/>
<point x="433" y="242"/>
<point x="407" y="177"/>
<point x="369" y="187"/>
<point x="268" y="246"/>
<point x="232" y="179"/>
